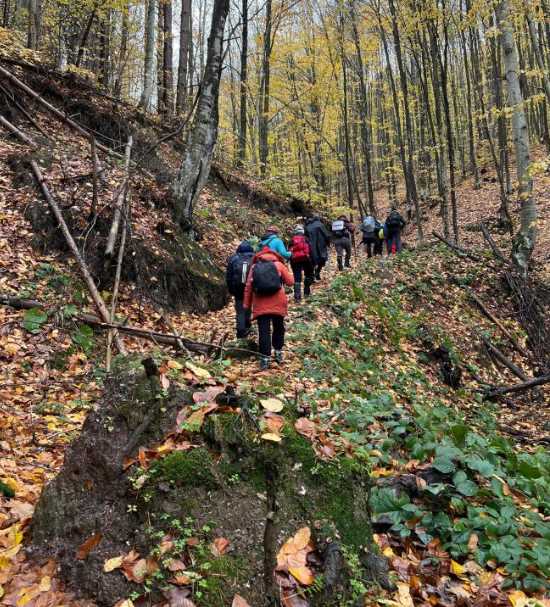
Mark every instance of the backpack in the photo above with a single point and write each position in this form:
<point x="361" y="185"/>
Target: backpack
<point x="369" y="225"/>
<point x="266" y="279"/>
<point x="239" y="273"/>
<point x="394" y="221"/>
<point x="339" y="228"/>
<point x="299" y="248"/>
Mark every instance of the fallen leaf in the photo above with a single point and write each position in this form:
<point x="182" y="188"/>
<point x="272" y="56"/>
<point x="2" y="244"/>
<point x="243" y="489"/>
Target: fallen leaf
<point x="197" y="371"/>
<point x="275" y="438"/>
<point x="272" y="404"/>
<point x="181" y="580"/>
<point x="303" y="575"/>
<point x="112" y="564"/>
<point x="518" y="598"/>
<point x="176" y="565"/>
<point x="403" y="595"/>
<point x="472" y="542"/>
<point x="88" y="546"/>
<point x="219" y="546"/>
<point x="458" y="570"/>
<point x="305" y="427"/>
<point x="125" y="603"/>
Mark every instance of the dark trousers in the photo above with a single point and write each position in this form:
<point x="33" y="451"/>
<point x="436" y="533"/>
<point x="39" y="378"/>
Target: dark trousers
<point x="302" y="268"/>
<point x="343" y="246"/>
<point x="317" y="267"/>
<point x="393" y="243"/>
<point x="267" y="338"/>
<point x="243" y="318"/>
<point x="378" y="246"/>
<point x="370" y="246"/>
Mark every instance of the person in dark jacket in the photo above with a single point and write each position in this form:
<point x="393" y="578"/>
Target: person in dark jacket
<point x="319" y="241"/>
<point x="394" y="226"/>
<point x="236" y="274"/>
<point x="342" y="241"/>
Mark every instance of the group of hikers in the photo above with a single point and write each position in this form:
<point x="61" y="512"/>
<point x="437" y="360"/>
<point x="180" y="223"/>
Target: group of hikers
<point x="256" y="278"/>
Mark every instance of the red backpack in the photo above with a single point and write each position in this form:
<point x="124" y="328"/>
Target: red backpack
<point x="299" y="248"/>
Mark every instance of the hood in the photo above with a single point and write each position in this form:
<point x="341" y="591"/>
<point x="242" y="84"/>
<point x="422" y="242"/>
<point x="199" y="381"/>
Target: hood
<point x="268" y="237"/>
<point x="268" y="255"/>
<point x="245" y="247"/>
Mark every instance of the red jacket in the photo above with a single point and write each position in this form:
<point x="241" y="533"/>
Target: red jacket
<point x="268" y="304"/>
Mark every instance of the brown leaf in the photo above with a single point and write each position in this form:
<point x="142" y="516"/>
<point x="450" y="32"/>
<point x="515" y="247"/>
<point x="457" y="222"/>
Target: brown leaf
<point x="176" y="565"/>
<point x="88" y="546"/>
<point x="305" y="427"/>
<point x="303" y="575"/>
<point x="238" y="601"/>
<point x="219" y="546"/>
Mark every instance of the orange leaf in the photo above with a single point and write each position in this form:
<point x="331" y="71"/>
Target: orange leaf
<point x="88" y="546"/>
<point x="305" y="427"/>
<point x="302" y="575"/>
<point x="219" y="546"/>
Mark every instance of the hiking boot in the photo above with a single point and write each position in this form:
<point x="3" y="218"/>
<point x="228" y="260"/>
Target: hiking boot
<point x="340" y="264"/>
<point x="318" y="275"/>
<point x="348" y="264"/>
<point x="264" y="363"/>
<point x="278" y="356"/>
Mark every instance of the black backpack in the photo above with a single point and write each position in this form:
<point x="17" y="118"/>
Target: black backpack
<point x="240" y="266"/>
<point x="266" y="279"/>
<point x="394" y="221"/>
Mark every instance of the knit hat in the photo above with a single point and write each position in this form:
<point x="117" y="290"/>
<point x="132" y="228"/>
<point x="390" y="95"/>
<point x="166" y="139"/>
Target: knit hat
<point x="298" y="229"/>
<point x="272" y="230"/>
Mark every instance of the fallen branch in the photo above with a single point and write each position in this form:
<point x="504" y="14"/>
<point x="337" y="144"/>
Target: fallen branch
<point x="79" y="129"/>
<point x="18" y="133"/>
<point x="504" y="360"/>
<point x="459" y="250"/>
<point x="496" y="251"/>
<point x="532" y="383"/>
<point x="121" y="197"/>
<point x="174" y="340"/>
<point x="96" y="296"/>
<point x="497" y="322"/>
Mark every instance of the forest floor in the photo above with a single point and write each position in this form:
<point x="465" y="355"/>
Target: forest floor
<point x="494" y="470"/>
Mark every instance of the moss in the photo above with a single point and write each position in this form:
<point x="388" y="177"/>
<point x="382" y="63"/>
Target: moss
<point x="223" y="575"/>
<point x="299" y="449"/>
<point x="225" y="429"/>
<point x="186" y="468"/>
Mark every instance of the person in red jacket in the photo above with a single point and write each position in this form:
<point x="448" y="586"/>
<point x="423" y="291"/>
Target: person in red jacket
<point x="265" y="295"/>
<point x="300" y="262"/>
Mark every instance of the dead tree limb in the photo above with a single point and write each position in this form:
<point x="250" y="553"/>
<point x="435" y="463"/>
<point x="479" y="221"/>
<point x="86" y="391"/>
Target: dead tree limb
<point x="95" y="175"/>
<point x="459" y="250"/>
<point x="121" y="196"/>
<point x="496" y="251"/>
<point x="18" y="133"/>
<point x="503" y="359"/>
<point x="96" y="296"/>
<point x="497" y="322"/>
<point x="174" y="340"/>
<point x="532" y="383"/>
<point x="74" y="125"/>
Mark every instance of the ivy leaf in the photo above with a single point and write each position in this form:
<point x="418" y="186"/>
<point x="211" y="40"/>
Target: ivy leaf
<point x="484" y="467"/>
<point x="464" y="485"/>
<point x="34" y="319"/>
<point x="444" y="464"/>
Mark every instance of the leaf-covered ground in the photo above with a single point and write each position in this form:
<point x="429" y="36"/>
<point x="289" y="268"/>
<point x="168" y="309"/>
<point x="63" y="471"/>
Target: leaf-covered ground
<point x="461" y="497"/>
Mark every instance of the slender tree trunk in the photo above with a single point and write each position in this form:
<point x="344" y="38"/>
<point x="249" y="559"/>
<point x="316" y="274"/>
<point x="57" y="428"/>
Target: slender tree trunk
<point x="263" y="126"/>
<point x="34" y="24"/>
<point x="168" y="67"/>
<point x="146" y="101"/>
<point x="471" y="132"/>
<point x="524" y="241"/>
<point x="123" y="50"/>
<point x="243" y="83"/>
<point x="186" y="43"/>
<point x="84" y="39"/>
<point x="195" y="165"/>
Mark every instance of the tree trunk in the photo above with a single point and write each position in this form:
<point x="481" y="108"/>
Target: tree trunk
<point x="34" y="25"/>
<point x="168" y="67"/>
<point x="184" y="55"/>
<point x="263" y="127"/>
<point x="195" y="165"/>
<point x="243" y="83"/>
<point x="524" y="241"/>
<point x="146" y="101"/>
<point x="123" y="50"/>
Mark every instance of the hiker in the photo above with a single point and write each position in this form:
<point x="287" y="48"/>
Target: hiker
<point x="371" y="241"/>
<point x="380" y="236"/>
<point x="238" y="266"/>
<point x="342" y="241"/>
<point x="272" y="241"/>
<point x="394" y="226"/>
<point x="264" y="294"/>
<point x="300" y="262"/>
<point x="319" y="241"/>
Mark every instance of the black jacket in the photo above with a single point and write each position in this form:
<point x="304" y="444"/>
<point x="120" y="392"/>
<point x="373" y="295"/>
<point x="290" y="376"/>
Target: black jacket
<point x="319" y="240"/>
<point x="233" y="278"/>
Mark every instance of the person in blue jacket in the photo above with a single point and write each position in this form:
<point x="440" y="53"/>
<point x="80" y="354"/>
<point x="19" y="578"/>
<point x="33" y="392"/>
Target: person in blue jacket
<point x="272" y="241"/>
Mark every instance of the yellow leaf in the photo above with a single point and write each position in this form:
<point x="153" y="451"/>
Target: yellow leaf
<point x="457" y="569"/>
<point x="301" y="538"/>
<point x="198" y="371"/>
<point x="174" y="364"/>
<point x="518" y="599"/>
<point x="112" y="564"/>
<point x="388" y="552"/>
<point x="276" y="438"/>
<point x="45" y="584"/>
<point x="302" y="575"/>
<point x="272" y="404"/>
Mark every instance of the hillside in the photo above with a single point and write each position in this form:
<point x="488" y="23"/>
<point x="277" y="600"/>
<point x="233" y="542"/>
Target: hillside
<point x="457" y="485"/>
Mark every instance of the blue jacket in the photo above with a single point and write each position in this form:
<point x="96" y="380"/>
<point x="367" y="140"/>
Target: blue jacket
<point x="273" y="242"/>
